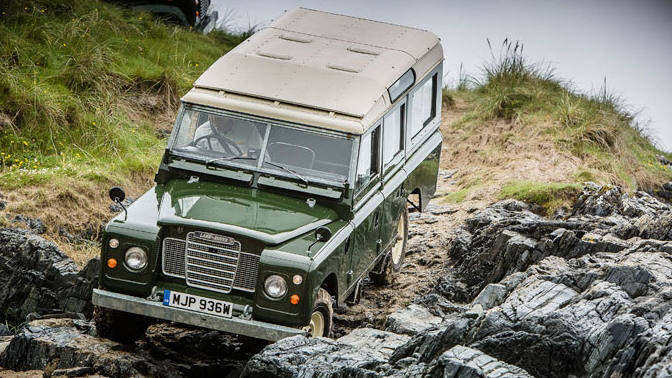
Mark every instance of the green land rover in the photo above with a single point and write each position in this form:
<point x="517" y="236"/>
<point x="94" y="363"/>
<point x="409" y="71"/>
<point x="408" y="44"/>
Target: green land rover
<point x="286" y="182"/>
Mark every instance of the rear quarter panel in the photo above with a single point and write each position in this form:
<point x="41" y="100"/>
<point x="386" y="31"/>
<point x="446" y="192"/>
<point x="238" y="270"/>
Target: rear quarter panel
<point x="423" y="169"/>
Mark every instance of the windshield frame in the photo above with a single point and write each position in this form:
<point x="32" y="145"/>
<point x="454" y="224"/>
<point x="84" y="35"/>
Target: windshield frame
<point x="259" y="165"/>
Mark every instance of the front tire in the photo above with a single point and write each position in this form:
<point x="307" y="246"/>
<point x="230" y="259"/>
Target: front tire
<point x="395" y="257"/>
<point x="322" y="317"/>
<point x="119" y="326"/>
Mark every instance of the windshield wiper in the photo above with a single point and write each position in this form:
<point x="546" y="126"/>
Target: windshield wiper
<point x="287" y="170"/>
<point x="226" y="158"/>
<point x="229" y="158"/>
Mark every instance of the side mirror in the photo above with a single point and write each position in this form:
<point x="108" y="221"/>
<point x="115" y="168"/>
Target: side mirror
<point x="117" y="194"/>
<point x="323" y="234"/>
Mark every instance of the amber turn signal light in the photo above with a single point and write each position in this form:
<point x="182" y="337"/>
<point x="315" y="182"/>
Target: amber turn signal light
<point x="112" y="263"/>
<point x="294" y="299"/>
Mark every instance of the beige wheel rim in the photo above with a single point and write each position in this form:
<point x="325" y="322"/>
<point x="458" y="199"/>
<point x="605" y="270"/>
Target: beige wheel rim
<point x="316" y="326"/>
<point x="398" y="246"/>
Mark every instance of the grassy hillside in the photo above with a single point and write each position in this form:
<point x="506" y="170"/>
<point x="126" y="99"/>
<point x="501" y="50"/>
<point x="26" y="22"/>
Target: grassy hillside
<point x="526" y="134"/>
<point x="88" y="93"/>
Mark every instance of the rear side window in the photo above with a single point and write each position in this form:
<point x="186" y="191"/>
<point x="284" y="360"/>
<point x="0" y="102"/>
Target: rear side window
<point x="368" y="161"/>
<point x="400" y="86"/>
<point x="393" y="140"/>
<point x="423" y="109"/>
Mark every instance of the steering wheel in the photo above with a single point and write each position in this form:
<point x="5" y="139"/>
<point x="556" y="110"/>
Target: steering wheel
<point x="226" y="143"/>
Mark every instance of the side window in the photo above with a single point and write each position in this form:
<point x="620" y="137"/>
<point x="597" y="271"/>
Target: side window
<point x="424" y="105"/>
<point x="368" y="160"/>
<point x="393" y="135"/>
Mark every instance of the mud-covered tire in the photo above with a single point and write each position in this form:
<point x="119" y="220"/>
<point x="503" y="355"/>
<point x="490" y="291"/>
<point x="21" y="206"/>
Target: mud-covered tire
<point x="119" y="326"/>
<point x="394" y="258"/>
<point x="386" y="275"/>
<point x="324" y="305"/>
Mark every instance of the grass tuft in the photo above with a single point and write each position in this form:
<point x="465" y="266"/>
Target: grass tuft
<point x="549" y="196"/>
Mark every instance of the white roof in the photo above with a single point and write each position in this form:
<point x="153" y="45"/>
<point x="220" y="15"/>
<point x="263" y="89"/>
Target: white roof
<point x="338" y="67"/>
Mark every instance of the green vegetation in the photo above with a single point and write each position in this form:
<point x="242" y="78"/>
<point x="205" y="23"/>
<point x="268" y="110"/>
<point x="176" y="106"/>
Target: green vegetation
<point x="456" y="197"/>
<point x="550" y="196"/>
<point x="605" y="143"/>
<point x="88" y="94"/>
<point x="82" y="84"/>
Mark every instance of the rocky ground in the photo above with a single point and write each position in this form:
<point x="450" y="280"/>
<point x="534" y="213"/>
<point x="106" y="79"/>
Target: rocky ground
<point x="495" y="292"/>
<point x="523" y="295"/>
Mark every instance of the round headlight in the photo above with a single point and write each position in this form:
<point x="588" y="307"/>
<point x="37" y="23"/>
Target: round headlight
<point x="114" y="243"/>
<point x="136" y="258"/>
<point x="275" y="286"/>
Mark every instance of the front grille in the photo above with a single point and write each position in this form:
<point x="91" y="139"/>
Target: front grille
<point x="210" y="261"/>
<point x="173" y="257"/>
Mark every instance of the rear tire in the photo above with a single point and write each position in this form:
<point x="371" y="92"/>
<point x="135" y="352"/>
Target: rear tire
<point x="395" y="256"/>
<point x="120" y="326"/>
<point x="322" y="316"/>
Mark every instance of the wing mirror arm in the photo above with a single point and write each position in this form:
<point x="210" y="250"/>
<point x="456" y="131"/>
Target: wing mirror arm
<point x="322" y="234"/>
<point x="117" y="195"/>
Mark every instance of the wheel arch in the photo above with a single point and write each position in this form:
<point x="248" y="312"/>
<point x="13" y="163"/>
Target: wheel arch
<point x="330" y="284"/>
<point x="417" y="191"/>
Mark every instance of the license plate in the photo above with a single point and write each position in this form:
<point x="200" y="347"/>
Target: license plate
<point x="196" y="303"/>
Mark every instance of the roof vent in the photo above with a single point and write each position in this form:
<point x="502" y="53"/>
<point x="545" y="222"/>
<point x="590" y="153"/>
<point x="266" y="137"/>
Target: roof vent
<point x="273" y="55"/>
<point x="295" y="38"/>
<point x="362" y="50"/>
<point x="343" y="68"/>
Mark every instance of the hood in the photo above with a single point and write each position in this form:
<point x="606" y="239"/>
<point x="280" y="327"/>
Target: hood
<point x="268" y="217"/>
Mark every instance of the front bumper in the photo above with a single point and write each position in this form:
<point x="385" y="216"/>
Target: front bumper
<point x="237" y="325"/>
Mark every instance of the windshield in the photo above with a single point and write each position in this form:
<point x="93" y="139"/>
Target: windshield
<point x="225" y="139"/>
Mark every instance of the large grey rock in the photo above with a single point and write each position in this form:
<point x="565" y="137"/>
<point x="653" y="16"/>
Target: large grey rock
<point x="491" y="296"/>
<point x="463" y="362"/>
<point x="362" y="353"/>
<point x="607" y="200"/>
<point x="36" y="277"/>
<point x="70" y="347"/>
<point x="66" y="343"/>
<point x="411" y="320"/>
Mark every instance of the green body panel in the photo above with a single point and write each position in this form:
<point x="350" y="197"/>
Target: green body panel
<point x="366" y="241"/>
<point x="394" y="204"/>
<point x="268" y="217"/>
